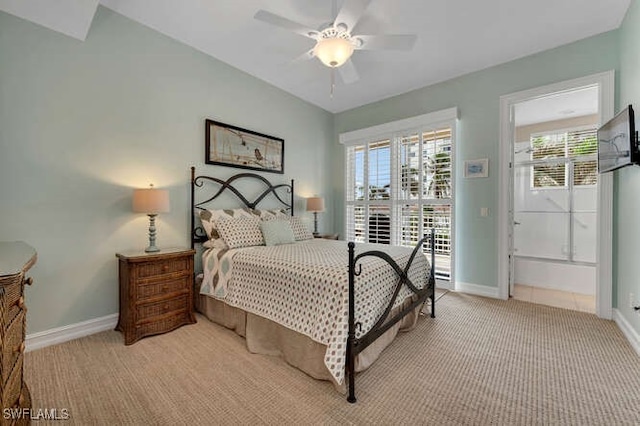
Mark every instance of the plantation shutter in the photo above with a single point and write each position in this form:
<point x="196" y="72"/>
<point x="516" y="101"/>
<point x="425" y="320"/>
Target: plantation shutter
<point x="582" y="146"/>
<point x="355" y="193"/>
<point x="552" y="152"/>
<point x="399" y="185"/>
<point x="400" y="188"/>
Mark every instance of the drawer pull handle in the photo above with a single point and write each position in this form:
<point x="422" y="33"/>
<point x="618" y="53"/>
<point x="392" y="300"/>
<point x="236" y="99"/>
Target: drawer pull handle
<point x="20" y="348"/>
<point x="165" y="287"/>
<point x="28" y="281"/>
<point x="165" y="267"/>
<point x="20" y="302"/>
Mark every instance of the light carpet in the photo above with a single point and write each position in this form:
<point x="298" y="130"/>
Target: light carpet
<point x="481" y="361"/>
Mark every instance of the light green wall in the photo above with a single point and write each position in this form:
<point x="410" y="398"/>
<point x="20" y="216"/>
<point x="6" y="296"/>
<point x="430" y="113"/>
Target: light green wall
<point x="81" y="123"/>
<point x="627" y="180"/>
<point x="477" y="98"/>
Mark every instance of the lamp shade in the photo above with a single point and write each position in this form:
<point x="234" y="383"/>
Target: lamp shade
<point x="333" y="51"/>
<point x="315" y="204"/>
<point x="150" y="200"/>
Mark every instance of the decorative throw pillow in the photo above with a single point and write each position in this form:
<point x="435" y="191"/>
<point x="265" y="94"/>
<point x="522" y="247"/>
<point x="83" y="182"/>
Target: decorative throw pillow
<point x="272" y="214"/>
<point x="300" y="230"/>
<point x="209" y="218"/>
<point x="276" y="232"/>
<point x="241" y="232"/>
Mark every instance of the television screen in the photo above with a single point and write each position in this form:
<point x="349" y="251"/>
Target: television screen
<point x="617" y="142"/>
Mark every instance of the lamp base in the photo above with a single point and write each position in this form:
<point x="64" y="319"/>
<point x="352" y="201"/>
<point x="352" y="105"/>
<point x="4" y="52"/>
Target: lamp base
<point x="315" y="223"/>
<point x="152" y="235"/>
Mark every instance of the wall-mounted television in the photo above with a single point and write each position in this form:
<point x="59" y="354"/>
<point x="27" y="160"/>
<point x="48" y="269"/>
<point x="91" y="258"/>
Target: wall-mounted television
<point x="618" y="142"/>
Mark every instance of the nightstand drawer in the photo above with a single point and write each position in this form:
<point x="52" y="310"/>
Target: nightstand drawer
<point x="327" y="236"/>
<point x="156" y="268"/>
<point x="13" y="310"/>
<point x="13" y="346"/>
<point x="152" y="289"/>
<point x="149" y="310"/>
<point x="160" y="326"/>
<point x="12" y="388"/>
<point x="12" y="293"/>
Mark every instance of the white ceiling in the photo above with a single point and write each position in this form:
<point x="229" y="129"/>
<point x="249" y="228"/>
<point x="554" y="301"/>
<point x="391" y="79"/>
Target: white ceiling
<point x="70" y="17"/>
<point x="558" y="106"/>
<point x="455" y="37"/>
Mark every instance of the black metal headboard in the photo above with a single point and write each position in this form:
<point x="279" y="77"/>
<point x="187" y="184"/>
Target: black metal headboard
<point x="218" y="186"/>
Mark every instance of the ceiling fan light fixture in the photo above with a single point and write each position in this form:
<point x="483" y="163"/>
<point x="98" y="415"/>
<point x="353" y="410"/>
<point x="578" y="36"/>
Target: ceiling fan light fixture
<point x="333" y="51"/>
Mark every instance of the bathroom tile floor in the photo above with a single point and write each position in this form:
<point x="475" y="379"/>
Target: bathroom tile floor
<point x="556" y="298"/>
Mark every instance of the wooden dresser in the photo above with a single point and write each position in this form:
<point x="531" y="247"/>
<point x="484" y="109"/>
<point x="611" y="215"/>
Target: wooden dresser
<point x="156" y="292"/>
<point x="15" y="260"/>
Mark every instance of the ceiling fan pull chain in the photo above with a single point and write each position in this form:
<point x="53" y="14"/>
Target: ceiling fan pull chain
<point x="333" y="81"/>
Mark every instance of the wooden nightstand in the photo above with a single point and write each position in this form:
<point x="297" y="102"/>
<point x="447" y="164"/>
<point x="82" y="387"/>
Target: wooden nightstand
<point x="15" y="260"/>
<point x="327" y="236"/>
<point x="156" y="292"/>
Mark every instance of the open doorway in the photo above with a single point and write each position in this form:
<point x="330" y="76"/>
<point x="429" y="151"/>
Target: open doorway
<point x="554" y="199"/>
<point x="555" y="212"/>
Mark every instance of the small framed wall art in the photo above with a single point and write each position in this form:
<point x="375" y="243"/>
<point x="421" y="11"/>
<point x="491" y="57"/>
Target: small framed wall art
<point x="232" y="146"/>
<point x="476" y="168"/>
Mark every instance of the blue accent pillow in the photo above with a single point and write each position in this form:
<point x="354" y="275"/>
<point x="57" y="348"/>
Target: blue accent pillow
<point x="277" y="232"/>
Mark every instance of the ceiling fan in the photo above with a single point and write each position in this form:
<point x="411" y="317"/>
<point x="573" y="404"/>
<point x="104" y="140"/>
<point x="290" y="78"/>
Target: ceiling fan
<point x="335" y="42"/>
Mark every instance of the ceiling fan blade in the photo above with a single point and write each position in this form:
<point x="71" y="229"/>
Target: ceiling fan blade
<point x="387" y="42"/>
<point x="350" y="13"/>
<point x="279" y="21"/>
<point x="304" y="57"/>
<point x="348" y="72"/>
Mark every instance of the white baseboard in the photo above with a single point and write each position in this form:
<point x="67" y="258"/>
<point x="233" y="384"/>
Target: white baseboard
<point x="632" y="336"/>
<point x="444" y="285"/>
<point x="478" y="290"/>
<point x="65" y="333"/>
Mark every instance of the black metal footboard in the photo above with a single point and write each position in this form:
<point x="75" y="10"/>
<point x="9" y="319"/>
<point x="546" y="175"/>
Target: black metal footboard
<point x="385" y="322"/>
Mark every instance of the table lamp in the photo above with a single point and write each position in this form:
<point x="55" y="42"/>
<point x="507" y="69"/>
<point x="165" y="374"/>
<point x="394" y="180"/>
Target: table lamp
<point x="151" y="201"/>
<point x="315" y="205"/>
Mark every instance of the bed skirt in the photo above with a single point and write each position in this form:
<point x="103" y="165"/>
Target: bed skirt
<point x="267" y="337"/>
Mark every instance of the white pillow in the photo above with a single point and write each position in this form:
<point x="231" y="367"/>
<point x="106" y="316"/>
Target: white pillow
<point x="241" y="232"/>
<point x="276" y="232"/>
<point x="300" y="230"/>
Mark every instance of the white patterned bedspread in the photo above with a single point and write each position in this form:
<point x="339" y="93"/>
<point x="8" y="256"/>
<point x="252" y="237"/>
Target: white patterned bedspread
<point x="305" y="286"/>
<point x="217" y="265"/>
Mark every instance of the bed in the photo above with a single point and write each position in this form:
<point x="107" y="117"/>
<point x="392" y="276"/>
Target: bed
<point x="327" y="307"/>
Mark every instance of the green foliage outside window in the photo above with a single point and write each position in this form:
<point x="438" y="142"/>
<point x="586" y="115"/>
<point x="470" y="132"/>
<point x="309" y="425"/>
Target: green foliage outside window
<point x="564" y="145"/>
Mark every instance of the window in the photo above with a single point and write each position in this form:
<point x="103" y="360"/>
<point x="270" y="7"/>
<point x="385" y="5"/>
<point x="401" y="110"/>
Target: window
<point x="399" y="186"/>
<point x="560" y="157"/>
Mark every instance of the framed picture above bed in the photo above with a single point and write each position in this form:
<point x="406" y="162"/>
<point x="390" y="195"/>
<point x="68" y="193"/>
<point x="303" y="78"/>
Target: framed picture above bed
<point x="227" y="145"/>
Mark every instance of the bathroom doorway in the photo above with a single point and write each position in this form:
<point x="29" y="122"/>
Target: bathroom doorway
<point x="554" y="196"/>
<point x="555" y="210"/>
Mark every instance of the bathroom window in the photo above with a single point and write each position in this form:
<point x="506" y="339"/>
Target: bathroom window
<point x="564" y="157"/>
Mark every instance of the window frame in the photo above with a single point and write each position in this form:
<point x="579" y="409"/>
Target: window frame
<point x="565" y="160"/>
<point x="394" y="132"/>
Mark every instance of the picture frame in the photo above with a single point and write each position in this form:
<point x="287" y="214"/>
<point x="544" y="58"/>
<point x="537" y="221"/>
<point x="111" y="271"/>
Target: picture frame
<point x="476" y="168"/>
<point x="232" y="146"/>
